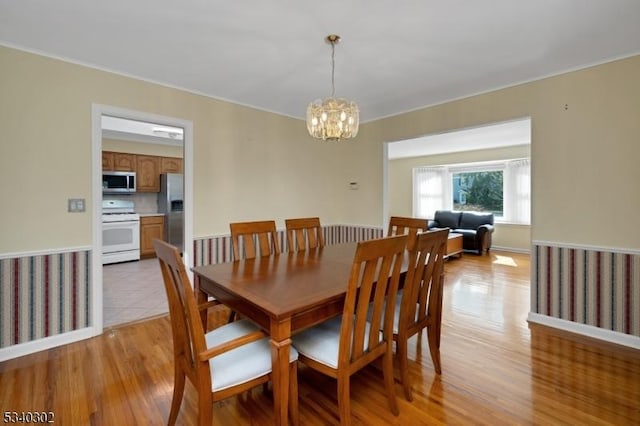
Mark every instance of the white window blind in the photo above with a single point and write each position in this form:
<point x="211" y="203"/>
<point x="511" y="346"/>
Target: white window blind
<point x="517" y="191"/>
<point x="430" y="186"/>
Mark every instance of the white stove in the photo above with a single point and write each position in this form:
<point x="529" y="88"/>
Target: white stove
<point x="120" y="231"/>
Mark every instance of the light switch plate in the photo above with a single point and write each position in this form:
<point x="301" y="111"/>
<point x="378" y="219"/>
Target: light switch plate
<point x="76" y="205"/>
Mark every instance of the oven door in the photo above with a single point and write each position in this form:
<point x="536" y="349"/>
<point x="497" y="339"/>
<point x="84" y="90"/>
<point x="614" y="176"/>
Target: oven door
<point x="120" y="241"/>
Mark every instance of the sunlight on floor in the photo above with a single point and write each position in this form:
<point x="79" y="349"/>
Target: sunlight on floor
<point x="505" y="260"/>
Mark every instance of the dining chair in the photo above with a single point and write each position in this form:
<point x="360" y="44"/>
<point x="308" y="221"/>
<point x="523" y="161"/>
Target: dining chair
<point x="399" y="225"/>
<point x="343" y="345"/>
<point x="304" y="233"/>
<point x="228" y="360"/>
<point x="245" y="234"/>
<point x="419" y="304"/>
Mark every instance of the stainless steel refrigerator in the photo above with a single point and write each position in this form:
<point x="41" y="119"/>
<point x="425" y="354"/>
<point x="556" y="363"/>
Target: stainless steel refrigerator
<point x="170" y="203"/>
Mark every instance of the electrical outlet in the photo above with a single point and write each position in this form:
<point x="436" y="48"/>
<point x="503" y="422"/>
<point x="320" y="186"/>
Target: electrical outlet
<point x="76" y="205"/>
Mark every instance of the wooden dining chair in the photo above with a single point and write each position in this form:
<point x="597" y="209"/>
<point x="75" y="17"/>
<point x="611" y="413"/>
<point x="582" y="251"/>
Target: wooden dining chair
<point x="304" y="233"/>
<point x="399" y="225"/>
<point x="228" y="360"/>
<point x="419" y="304"/>
<point x="345" y="344"/>
<point x="244" y="236"/>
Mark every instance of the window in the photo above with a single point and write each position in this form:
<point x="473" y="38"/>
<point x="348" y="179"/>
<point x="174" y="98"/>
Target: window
<point x="502" y="188"/>
<point x="478" y="191"/>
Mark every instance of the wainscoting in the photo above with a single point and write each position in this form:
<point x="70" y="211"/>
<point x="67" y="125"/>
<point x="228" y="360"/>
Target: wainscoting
<point x="44" y="295"/>
<point x="589" y="286"/>
<point x="217" y="249"/>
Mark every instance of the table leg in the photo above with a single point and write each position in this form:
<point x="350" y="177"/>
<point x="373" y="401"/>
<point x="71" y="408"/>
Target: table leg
<point x="201" y="297"/>
<point x="280" y="352"/>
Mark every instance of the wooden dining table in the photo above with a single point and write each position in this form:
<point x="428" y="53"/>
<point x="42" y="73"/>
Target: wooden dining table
<point x="283" y="294"/>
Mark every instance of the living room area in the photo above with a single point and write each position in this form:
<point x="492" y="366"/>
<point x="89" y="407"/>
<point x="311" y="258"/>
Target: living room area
<point x="483" y="170"/>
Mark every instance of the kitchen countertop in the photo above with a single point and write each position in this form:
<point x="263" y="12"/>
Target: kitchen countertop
<point x="150" y="214"/>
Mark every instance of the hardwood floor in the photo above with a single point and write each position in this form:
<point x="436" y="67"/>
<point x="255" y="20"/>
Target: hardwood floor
<point x="495" y="370"/>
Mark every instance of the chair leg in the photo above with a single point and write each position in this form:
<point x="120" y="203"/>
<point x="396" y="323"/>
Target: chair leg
<point x="403" y="365"/>
<point x="389" y="384"/>
<point x="344" y="403"/>
<point x="178" y="392"/>
<point x="205" y="409"/>
<point x="293" y="394"/>
<point x="434" y="347"/>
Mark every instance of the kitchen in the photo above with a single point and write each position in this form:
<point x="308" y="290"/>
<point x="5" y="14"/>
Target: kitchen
<point x="142" y="181"/>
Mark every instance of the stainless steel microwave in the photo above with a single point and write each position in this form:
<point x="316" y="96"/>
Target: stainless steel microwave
<point x="118" y="182"/>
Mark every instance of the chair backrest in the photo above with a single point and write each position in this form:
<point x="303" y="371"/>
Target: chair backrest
<point x="186" y="326"/>
<point x="406" y="225"/>
<point x="422" y="292"/>
<point x="304" y="233"/>
<point x="262" y="231"/>
<point x="375" y="274"/>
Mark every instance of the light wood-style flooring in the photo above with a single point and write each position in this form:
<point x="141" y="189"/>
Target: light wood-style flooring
<point x="495" y="370"/>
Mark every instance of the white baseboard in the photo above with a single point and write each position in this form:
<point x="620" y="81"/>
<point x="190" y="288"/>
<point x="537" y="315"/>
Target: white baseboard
<point x="511" y="249"/>
<point x="586" y="330"/>
<point x="27" y="348"/>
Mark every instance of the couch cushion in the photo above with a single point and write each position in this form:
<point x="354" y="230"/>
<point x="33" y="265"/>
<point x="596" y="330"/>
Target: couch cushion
<point x="448" y="219"/>
<point x="471" y="220"/>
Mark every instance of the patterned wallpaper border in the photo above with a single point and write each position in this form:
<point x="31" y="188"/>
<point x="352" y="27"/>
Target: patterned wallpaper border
<point x="587" y="286"/>
<point x="44" y="295"/>
<point x="217" y="249"/>
<point x="48" y="294"/>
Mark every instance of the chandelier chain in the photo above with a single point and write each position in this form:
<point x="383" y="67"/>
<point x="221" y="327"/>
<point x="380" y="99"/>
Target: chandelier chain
<point x="333" y="69"/>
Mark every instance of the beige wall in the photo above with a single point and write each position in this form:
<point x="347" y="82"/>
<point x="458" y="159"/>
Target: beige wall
<point x="400" y="187"/>
<point x="584" y="148"/>
<point x="250" y="164"/>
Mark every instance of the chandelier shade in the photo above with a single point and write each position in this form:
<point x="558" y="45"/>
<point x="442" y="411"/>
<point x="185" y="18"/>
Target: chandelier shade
<point x="332" y="118"/>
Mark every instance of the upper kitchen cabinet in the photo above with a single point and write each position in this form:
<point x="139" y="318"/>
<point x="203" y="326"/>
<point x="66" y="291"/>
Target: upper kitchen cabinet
<point x="107" y="160"/>
<point x="170" y="165"/>
<point x="148" y="173"/>
<point x="118" y="161"/>
<point x="124" y="162"/>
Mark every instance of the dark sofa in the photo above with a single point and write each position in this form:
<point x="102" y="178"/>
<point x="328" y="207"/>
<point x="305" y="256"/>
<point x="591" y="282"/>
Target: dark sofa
<point x="476" y="228"/>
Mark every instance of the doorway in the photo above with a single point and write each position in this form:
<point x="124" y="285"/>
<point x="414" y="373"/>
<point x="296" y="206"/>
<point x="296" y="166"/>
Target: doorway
<point x="133" y="277"/>
<point x="471" y="148"/>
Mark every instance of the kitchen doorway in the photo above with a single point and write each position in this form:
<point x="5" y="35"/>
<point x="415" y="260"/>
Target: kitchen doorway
<point x="133" y="290"/>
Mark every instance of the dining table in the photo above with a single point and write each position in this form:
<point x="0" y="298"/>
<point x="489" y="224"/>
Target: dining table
<point x="284" y="294"/>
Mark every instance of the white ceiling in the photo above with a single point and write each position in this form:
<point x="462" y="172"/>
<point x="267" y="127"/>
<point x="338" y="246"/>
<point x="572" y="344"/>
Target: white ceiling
<point x="394" y="57"/>
<point x="133" y="130"/>
<point x="498" y="135"/>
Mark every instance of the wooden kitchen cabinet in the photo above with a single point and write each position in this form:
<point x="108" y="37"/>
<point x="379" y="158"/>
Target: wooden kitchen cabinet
<point x="107" y="160"/>
<point x="147" y="173"/>
<point x="118" y="161"/>
<point x="147" y="167"/>
<point x="124" y="162"/>
<point x="151" y="227"/>
<point x="170" y="165"/>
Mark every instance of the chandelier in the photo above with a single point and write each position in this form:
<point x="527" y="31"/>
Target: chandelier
<point x="333" y="118"/>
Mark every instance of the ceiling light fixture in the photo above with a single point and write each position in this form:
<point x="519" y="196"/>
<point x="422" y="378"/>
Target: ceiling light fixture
<point x="333" y="118"/>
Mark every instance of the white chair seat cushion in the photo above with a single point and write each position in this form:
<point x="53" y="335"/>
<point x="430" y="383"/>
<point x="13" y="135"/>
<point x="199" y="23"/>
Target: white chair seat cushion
<point x="244" y="363"/>
<point x="321" y="343"/>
